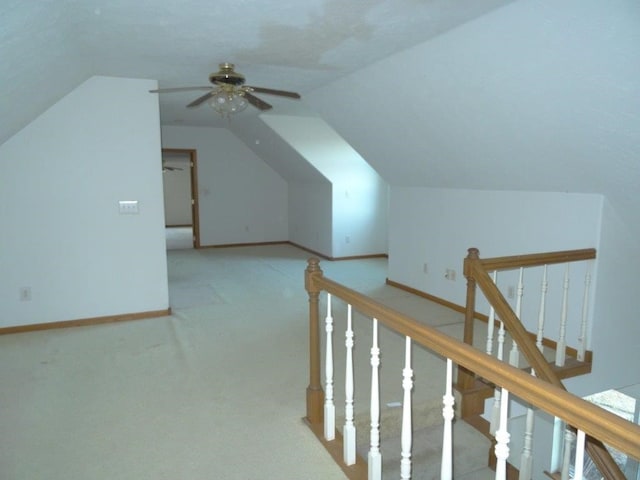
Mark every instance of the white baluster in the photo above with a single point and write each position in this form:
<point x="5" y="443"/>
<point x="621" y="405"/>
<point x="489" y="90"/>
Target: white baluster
<point x="446" y="469"/>
<point x="495" y="411"/>
<point x="406" y="434"/>
<point x="329" y="406"/>
<point x="562" y="343"/>
<point x="579" y="465"/>
<point x="582" y="341"/>
<point x="526" y="459"/>
<point x="502" y="437"/>
<point x="566" y="457"/>
<point x="491" y="322"/>
<point x="375" y="458"/>
<point x="514" y="355"/>
<point x="349" y="432"/>
<point x="541" y="312"/>
<point x="501" y="336"/>
<point x="555" y="465"/>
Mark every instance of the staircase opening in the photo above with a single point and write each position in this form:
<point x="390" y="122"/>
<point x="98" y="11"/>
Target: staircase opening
<point x="536" y="384"/>
<point x="622" y="402"/>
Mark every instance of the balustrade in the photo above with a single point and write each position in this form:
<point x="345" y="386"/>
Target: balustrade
<point x="477" y="273"/>
<point x="589" y="420"/>
<point x="571" y="311"/>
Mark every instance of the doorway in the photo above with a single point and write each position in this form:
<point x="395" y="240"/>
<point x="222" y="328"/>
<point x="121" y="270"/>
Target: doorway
<point x="180" y="186"/>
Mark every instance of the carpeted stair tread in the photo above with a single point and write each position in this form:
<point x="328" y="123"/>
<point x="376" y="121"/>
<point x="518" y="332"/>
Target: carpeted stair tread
<point x="470" y="453"/>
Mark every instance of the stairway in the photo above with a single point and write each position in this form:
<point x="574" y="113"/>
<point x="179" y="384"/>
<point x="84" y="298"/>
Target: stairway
<point x="545" y="391"/>
<point x="469" y="457"/>
<point x="470" y="446"/>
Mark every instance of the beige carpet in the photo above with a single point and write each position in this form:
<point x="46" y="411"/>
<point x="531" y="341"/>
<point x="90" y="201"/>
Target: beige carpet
<point x="178" y="238"/>
<point x="216" y="391"/>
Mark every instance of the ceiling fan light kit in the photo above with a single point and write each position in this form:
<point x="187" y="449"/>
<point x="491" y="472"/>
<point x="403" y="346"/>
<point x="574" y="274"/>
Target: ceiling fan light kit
<point x="229" y="95"/>
<point x="228" y="101"/>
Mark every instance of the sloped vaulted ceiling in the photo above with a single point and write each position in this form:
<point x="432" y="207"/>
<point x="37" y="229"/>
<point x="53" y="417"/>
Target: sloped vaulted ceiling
<point x="492" y="94"/>
<point x="48" y="47"/>
<point x="538" y="95"/>
<point x="40" y="61"/>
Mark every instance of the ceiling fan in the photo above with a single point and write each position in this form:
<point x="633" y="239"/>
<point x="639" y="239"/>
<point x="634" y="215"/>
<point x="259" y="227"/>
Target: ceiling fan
<point x="229" y="94"/>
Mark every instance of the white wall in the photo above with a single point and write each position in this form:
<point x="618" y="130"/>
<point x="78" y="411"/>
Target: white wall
<point x="616" y="328"/>
<point x="360" y="208"/>
<point x="241" y="198"/>
<point x="310" y="216"/>
<point x="437" y="226"/>
<point x="62" y="236"/>
<point x="359" y="196"/>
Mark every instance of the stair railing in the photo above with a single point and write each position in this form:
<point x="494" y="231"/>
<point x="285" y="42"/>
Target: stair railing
<point x="546" y="395"/>
<point x="481" y="273"/>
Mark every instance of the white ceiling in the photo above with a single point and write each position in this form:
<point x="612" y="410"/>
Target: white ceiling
<point x="489" y="94"/>
<point x="50" y="46"/>
<point x="538" y="95"/>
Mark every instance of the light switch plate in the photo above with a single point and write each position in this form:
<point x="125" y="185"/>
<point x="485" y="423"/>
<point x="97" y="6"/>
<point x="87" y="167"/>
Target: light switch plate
<point x="128" y="207"/>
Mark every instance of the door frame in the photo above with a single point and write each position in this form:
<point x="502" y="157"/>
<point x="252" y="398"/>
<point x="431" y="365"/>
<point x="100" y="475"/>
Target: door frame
<point x="195" y="209"/>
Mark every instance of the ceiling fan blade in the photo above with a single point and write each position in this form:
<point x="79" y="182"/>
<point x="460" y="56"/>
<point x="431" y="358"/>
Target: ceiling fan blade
<point x="201" y="99"/>
<point x="256" y="102"/>
<point x="271" y="91"/>
<point x="178" y="89"/>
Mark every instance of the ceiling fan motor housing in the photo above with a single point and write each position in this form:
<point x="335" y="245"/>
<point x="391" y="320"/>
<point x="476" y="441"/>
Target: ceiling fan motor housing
<point x="227" y="75"/>
<point x="229" y="94"/>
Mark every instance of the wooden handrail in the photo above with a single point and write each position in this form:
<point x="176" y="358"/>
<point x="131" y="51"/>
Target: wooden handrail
<point x="537" y="259"/>
<point x="513" y="325"/>
<point x="593" y="420"/>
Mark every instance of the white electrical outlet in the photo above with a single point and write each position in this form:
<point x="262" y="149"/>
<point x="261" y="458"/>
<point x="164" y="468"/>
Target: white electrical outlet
<point x="25" y="294"/>
<point x="450" y="274"/>
<point x="425" y="268"/>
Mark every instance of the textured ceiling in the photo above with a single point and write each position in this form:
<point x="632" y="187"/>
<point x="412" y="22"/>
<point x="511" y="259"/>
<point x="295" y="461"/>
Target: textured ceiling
<point x="50" y="46"/>
<point x="488" y="94"/>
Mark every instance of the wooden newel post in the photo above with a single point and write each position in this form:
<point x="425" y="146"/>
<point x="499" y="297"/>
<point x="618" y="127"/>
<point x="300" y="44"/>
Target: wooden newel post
<point x="466" y="378"/>
<point x="470" y="310"/>
<point x="315" y="394"/>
